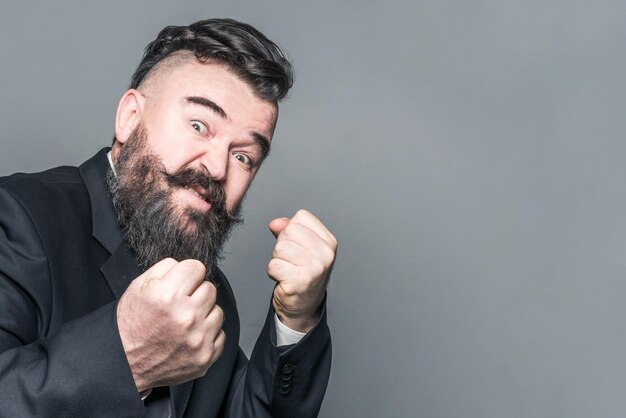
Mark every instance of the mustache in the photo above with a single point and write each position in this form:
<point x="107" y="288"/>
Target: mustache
<point x="213" y="191"/>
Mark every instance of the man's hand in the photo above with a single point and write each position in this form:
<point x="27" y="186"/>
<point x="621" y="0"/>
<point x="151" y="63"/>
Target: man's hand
<point x="170" y="326"/>
<point x="301" y="263"/>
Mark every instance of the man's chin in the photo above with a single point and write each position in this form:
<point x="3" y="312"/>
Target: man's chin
<point x="191" y="220"/>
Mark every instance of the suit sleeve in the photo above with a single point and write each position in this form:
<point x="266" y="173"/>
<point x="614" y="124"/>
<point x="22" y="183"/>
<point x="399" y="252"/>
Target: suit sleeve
<point x="80" y="369"/>
<point x="281" y="382"/>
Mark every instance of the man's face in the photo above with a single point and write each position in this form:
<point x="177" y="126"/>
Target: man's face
<point x="203" y="117"/>
<point x="185" y="168"/>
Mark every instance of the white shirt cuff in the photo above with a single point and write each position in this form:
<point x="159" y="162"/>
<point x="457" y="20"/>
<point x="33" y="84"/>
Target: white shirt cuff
<point x="145" y="394"/>
<point x="285" y="335"/>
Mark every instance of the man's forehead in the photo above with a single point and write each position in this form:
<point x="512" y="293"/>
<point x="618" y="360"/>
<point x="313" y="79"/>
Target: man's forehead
<point x="181" y="76"/>
<point x="184" y="69"/>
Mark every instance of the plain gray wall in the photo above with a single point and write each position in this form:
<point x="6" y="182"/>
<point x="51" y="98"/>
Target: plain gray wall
<point x="468" y="155"/>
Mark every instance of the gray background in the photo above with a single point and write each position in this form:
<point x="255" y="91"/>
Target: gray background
<point x="468" y="155"/>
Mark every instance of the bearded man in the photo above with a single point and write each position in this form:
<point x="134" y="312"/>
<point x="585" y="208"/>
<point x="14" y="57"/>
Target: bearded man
<point x="111" y="301"/>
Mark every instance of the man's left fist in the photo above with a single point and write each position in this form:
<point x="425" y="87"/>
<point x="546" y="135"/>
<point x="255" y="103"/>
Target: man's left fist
<point x="301" y="263"/>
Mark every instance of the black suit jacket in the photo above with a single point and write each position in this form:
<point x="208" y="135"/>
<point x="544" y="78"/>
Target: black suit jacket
<point x="64" y="265"/>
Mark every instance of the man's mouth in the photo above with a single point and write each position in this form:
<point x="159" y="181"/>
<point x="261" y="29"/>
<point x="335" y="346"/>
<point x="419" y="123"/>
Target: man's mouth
<point x="201" y="197"/>
<point x="199" y="192"/>
<point x="202" y="192"/>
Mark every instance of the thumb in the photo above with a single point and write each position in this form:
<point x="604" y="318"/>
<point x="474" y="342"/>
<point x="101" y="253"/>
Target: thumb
<point x="277" y="225"/>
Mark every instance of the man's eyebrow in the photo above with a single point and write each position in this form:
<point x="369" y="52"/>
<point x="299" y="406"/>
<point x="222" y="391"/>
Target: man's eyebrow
<point x="210" y="104"/>
<point x="262" y="142"/>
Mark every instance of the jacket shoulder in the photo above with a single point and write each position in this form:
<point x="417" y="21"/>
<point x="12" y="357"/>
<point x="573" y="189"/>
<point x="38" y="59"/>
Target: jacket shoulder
<point x="57" y="175"/>
<point x="51" y="187"/>
<point x="56" y="200"/>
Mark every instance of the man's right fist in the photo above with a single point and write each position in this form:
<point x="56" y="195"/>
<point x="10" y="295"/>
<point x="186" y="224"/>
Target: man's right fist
<point x="170" y="326"/>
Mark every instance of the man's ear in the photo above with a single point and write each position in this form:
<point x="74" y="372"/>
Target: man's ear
<point x="128" y="115"/>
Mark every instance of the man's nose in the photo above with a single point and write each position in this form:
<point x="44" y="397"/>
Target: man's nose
<point x="215" y="161"/>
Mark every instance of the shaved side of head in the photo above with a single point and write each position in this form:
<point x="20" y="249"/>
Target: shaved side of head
<point x="163" y="69"/>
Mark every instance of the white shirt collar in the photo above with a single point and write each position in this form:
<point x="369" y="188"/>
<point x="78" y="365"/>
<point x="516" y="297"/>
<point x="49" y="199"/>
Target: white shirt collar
<point x="111" y="162"/>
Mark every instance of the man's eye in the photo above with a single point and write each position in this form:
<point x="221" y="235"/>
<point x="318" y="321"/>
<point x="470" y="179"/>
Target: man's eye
<point x="198" y="126"/>
<point x="244" y="159"/>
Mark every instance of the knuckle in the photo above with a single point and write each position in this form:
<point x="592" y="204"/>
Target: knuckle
<point x="289" y="291"/>
<point x="285" y="234"/>
<point x="274" y="263"/>
<point x="159" y="268"/>
<point x="164" y="298"/>
<point x="195" y="265"/>
<point x="137" y="284"/>
<point x="205" y="368"/>
<point x="186" y="321"/>
<point x="204" y="357"/>
<point x="219" y="314"/>
<point x="273" y="266"/>
<point x="276" y="250"/>
<point x="302" y="213"/>
<point x="318" y="267"/>
<point x="328" y="254"/>
<point x="333" y="242"/>
<point x="195" y="342"/>
<point x="288" y="231"/>
<point x="198" y="264"/>
<point x="282" y="247"/>
<point x="210" y="289"/>
<point x="218" y="347"/>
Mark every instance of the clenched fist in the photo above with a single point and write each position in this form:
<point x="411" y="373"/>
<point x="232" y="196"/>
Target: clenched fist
<point x="301" y="264"/>
<point x="170" y="326"/>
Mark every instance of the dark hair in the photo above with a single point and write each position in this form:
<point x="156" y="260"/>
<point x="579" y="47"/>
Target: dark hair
<point x="246" y="51"/>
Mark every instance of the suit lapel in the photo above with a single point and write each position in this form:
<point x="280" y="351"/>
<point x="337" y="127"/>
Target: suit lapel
<point x="180" y="394"/>
<point x="121" y="268"/>
<point x="106" y="230"/>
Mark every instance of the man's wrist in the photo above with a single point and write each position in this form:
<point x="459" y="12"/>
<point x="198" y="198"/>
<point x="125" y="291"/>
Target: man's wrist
<point x="302" y="325"/>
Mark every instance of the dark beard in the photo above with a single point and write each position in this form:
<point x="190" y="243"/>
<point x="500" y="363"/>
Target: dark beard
<point x="153" y="227"/>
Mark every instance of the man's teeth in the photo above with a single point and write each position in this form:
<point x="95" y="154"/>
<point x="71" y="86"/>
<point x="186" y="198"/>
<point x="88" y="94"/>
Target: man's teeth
<point x="195" y="192"/>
